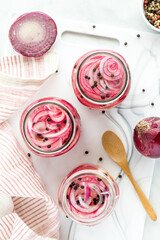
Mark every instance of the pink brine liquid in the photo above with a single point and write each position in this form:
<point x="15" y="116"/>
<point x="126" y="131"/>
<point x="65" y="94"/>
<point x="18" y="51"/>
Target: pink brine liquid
<point x="88" y="194"/>
<point x="101" y="79"/>
<point x="50" y="126"/>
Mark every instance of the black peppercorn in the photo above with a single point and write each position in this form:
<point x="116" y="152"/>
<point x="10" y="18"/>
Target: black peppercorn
<point x="99" y="179"/>
<point x="102" y="97"/>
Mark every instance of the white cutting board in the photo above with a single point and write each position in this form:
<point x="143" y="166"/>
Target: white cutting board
<point x="142" y="55"/>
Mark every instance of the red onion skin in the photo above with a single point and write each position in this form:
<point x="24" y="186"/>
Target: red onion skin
<point x="85" y="101"/>
<point x="19" y="19"/>
<point x="147" y="137"/>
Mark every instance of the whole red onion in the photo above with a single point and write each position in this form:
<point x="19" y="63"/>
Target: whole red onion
<point x="147" y="137"/>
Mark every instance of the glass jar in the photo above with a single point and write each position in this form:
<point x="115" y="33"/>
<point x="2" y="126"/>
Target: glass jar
<point x="50" y="126"/>
<point x="88" y="194"/>
<point x="101" y="79"/>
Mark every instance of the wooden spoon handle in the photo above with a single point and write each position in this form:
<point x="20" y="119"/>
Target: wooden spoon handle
<point x="145" y="202"/>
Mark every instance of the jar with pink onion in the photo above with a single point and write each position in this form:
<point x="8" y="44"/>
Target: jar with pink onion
<point x="101" y="79"/>
<point x="88" y="194"/>
<point x="50" y="126"/>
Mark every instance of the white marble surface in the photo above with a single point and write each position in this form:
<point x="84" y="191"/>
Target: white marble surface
<point x="124" y="14"/>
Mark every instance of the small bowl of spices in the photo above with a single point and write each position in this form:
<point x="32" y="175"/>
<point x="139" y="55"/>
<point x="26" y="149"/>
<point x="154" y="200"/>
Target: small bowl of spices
<point x="151" y="13"/>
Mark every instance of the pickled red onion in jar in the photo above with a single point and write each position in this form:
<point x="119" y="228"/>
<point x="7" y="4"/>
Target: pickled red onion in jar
<point x="50" y="126"/>
<point x="101" y="79"/>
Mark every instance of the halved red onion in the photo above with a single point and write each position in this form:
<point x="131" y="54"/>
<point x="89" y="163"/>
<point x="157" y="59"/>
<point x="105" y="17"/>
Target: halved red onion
<point x="33" y="34"/>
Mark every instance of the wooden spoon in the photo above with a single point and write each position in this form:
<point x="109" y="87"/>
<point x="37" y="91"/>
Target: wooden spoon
<point x="115" y="149"/>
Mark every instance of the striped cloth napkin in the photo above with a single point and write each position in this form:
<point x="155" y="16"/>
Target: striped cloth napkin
<point x="26" y="211"/>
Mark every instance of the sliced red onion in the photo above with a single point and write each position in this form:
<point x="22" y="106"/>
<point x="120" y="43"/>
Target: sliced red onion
<point x="40" y="127"/>
<point x="42" y="144"/>
<point x="33" y="34"/>
<point x="85" y="196"/>
<point x="110" y="67"/>
<point x="101" y="77"/>
<point x="51" y="126"/>
<point x="58" y="118"/>
<point x="41" y="115"/>
<point x="60" y="132"/>
<point x="88" y="192"/>
<point x="48" y="127"/>
<point x="147" y="137"/>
